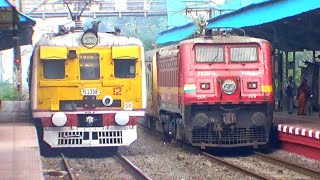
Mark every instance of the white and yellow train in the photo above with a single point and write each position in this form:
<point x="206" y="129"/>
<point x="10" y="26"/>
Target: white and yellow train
<point x="87" y="89"/>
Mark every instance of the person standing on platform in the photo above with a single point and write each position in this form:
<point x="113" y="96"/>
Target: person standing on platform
<point x="290" y="91"/>
<point x="302" y="97"/>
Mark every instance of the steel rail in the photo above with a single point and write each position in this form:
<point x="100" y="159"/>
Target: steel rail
<point x="217" y="159"/>
<point x="237" y="168"/>
<point x="294" y="167"/>
<point x="133" y="168"/>
<point x="272" y="160"/>
<point x="71" y="174"/>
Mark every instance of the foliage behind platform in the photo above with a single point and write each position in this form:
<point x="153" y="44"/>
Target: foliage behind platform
<point x="8" y="93"/>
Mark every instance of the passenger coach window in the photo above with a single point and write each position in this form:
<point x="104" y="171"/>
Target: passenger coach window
<point x="89" y="67"/>
<point x="53" y="69"/>
<point x="209" y="53"/>
<point x="125" y="68"/>
<point x="243" y="54"/>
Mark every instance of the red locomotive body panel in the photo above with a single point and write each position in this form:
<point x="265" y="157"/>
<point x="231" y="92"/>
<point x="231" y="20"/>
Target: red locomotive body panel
<point x="168" y="79"/>
<point x="195" y="74"/>
<point x="215" y="91"/>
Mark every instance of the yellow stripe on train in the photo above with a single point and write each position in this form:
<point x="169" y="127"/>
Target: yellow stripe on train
<point x="267" y="88"/>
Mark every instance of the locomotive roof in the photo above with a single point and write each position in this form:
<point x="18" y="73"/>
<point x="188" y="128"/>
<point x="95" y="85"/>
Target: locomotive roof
<point x="74" y="40"/>
<point x="224" y="39"/>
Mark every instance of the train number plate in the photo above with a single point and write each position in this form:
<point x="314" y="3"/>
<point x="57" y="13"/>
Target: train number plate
<point x="90" y="91"/>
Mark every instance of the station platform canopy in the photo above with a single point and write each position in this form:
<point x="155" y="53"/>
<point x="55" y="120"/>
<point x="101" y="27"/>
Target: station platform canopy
<point x="290" y="25"/>
<point x="14" y="23"/>
<point x="176" y="34"/>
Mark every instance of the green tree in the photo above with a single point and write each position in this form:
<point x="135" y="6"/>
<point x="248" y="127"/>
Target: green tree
<point x="7" y="93"/>
<point x="144" y="28"/>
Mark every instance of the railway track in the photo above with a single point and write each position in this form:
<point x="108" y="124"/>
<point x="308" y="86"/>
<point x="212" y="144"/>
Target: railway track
<point x="234" y="166"/>
<point x="125" y="163"/>
<point x="282" y="169"/>
<point x="294" y="167"/>
<point x="241" y="165"/>
<point x="135" y="171"/>
<point x="68" y="167"/>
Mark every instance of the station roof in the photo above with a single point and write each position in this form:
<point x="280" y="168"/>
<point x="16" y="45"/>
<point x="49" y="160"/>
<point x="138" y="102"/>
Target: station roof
<point x="290" y="25"/>
<point x="9" y="15"/>
<point x="176" y="34"/>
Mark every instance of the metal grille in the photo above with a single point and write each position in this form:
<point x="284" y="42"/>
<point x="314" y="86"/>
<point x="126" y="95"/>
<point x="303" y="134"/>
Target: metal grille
<point x="207" y="53"/>
<point x="228" y="137"/>
<point x="70" y="138"/>
<point x="113" y="137"/>
<point x="244" y="54"/>
<point x="78" y="138"/>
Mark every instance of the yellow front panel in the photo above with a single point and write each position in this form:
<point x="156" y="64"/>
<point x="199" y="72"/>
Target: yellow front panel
<point x="125" y="52"/>
<point x="48" y="52"/>
<point x="52" y="91"/>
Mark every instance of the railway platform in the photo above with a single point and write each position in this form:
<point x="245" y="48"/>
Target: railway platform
<point x="19" y="149"/>
<point x="299" y="134"/>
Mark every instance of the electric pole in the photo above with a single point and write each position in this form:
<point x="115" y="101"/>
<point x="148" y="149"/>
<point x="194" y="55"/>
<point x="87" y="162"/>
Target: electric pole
<point x="17" y="78"/>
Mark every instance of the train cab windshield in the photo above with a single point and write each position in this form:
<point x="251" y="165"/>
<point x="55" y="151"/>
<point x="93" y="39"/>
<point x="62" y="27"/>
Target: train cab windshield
<point x="208" y="53"/>
<point x="125" y="68"/>
<point x="89" y="67"/>
<point x="54" y="69"/>
<point x="237" y="53"/>
<point x="244" y="54"/>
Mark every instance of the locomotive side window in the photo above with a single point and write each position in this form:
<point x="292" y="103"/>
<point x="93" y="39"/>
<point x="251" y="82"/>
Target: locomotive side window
<point x="243" y="54"/>
<point x="125" y="68"/>
<point x="89" y="66"/>
<point x="53" y="69"/>
<point x="209" y="53"/>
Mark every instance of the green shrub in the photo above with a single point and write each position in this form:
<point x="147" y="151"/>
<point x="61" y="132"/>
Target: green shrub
<point x="8" y="93"/>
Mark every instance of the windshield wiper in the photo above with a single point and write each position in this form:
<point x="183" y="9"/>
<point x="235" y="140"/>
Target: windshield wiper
<point x="214" y="58"/>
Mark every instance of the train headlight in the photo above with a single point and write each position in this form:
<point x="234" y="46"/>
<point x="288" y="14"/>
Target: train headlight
<point x="229" y="86"/>
<point x="258" y="118"/>
<point x="122" y="118"/>
<point x="59" y="119"/>
<point x="107" y="100"/>
<point x="200" y="120"/>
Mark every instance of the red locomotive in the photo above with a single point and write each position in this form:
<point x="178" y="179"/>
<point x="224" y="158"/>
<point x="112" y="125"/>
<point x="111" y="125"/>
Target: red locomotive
<point x="212" y="91"/>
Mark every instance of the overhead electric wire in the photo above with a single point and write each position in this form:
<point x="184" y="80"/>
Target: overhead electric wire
<point x="45" y="2"/>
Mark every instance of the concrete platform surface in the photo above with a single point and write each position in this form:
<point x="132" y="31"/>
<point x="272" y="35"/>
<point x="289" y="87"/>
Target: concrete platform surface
<point x="308" y="126"/>
<point x="19" y="149"/>
<point x="299" y="134"/>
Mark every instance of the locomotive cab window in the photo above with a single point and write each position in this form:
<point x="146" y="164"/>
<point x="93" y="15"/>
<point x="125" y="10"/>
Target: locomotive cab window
<point x="244" y="54"/>
<point x="125" y="68"/>
<point x="53" y="69"/>
<point x="207" y="53"/>
<point x="89" y="67"/>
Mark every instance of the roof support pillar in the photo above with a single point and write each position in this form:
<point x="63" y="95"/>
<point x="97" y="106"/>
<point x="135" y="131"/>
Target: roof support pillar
<point x="280" y="80"/>
<point x="294" y="65"/>
<point x="287" y="64"/>
<point x="17" y="77"/>
<point x="275" y="37"/>
<point x="316" y="81"/>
